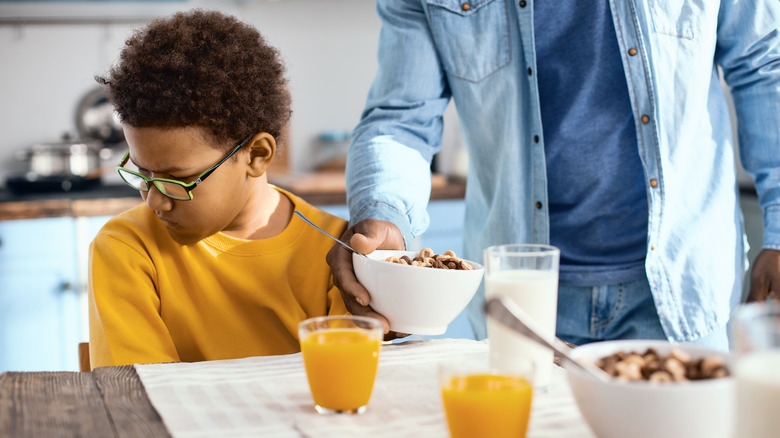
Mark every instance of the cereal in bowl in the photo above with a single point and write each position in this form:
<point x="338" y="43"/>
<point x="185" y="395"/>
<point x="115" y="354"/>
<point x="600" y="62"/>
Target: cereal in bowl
<point x="427" y="259"/>
<point x="677" y="366"/>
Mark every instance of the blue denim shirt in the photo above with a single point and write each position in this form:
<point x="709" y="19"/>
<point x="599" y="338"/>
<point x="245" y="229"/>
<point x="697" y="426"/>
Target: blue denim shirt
<point x="482" y="56"/>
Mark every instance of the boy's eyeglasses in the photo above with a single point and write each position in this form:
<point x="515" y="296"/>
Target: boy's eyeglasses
<point x="171" y="188"/>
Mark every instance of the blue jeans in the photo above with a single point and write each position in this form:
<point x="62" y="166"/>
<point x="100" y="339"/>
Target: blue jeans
<point x="620" y="311"/>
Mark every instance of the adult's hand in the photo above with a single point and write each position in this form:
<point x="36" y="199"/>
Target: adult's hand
<point x="364" y="237"/>
<point x="765" y="276"/>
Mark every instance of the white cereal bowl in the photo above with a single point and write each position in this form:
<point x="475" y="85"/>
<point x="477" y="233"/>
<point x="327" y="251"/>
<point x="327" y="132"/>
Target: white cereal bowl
<point x="701" y="408"/>
<point x="416" y="300"/>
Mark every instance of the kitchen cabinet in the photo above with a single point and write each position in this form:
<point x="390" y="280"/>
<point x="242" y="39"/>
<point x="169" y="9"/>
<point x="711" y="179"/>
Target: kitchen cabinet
<point x="445" y="231"/>
<point x="44" y="265"/>
<point x="40" y="307"/>
<point x="754" y="231"/>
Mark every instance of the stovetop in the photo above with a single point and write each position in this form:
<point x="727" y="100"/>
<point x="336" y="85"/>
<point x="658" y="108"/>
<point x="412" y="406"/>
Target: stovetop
<point x="97" y="191"/>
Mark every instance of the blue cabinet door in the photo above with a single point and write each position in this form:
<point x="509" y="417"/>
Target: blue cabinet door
<point x="445" y="231"/>
<point x="336" y="210"/>
<point x="40" y="308"/>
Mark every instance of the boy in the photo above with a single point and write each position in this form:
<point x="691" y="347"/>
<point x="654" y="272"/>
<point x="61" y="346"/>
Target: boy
<point x="212" y="265"/>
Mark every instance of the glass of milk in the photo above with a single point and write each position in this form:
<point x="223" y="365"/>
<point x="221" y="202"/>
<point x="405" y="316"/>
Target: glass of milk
<point x="755" y="340"/>
<point x="528" y="275"/>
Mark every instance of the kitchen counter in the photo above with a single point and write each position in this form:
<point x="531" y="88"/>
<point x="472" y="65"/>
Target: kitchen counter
<point x="326" y="188"/>
<point x="98" y="201"/>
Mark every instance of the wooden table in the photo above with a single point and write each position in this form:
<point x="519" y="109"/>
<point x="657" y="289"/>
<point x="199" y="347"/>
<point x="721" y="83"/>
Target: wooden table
<point x="257" y="394"/>
<point x="107" y="402"/>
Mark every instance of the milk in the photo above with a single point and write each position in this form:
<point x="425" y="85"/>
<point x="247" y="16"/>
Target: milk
<point x="536" y="292"/>
<point x="757" y="377"/>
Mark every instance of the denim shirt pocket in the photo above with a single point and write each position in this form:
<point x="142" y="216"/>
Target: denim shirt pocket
<point x="680" y="18"/>
<point x="473" y="41"/>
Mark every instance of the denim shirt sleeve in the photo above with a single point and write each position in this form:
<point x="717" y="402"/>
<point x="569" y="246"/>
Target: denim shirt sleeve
<point x="388" y="166"/>
<point x="748" y="50"/>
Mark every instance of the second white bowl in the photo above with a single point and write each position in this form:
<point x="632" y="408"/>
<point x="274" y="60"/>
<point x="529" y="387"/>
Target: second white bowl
<point x="699" y="408"/>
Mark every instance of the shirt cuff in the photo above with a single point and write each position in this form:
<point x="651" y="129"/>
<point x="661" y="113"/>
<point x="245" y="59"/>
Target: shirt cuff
<point x="772" y="227"/>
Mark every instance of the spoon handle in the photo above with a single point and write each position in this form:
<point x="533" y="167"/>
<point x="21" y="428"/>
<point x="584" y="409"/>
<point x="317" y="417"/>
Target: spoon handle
<point x="511" y="315"/>
<point x="305" y="219"/>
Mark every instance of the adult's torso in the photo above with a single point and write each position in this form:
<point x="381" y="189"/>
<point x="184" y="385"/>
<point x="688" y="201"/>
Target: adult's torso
<point x="595" y="181"/>
<point x="683" y="137"/>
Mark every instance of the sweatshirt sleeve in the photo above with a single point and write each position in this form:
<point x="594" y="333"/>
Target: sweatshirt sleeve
<point x="125" y="325"/>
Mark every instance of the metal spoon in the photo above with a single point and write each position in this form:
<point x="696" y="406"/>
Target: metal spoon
<point x="511" y="315"/>
<point x="305" y="219"/>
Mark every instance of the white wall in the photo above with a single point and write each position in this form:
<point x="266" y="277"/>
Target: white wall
<point x="329" y="49"/>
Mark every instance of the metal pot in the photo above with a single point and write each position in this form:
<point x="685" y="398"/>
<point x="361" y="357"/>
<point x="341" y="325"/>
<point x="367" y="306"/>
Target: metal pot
<point x="65" y="159"/>
<point x="97" y="120"/>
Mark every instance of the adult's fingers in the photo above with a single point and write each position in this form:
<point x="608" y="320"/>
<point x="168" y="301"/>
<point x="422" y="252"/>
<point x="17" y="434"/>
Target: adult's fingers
<point x="765" y="276"/>
<point x="372" y="234"/>
<point x="340" y="261"/>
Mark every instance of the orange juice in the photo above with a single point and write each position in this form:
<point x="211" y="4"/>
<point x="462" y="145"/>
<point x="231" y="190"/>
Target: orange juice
<point x="487" y="405"/>
<point x="341" y="367"/>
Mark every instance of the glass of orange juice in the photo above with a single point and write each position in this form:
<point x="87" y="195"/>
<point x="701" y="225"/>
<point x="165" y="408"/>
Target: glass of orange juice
<point x="341" y="354"/>
<point x="480" y="401"/>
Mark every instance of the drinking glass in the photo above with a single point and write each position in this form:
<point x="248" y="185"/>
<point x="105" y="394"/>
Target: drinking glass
<point x="341" y="354"/>
<point x="756" y="342"/>
<point x="481" y="401"/>
<point x="528" y="275"/>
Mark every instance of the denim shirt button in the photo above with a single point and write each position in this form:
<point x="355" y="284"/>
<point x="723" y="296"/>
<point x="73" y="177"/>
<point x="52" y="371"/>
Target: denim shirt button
<point x="465" y="6"/>
<point x="653" y="183"/>
<point x="632" y="51"/>
<point x="645" y="119"/>
<point x="538" y="205"/>
<point x="522" y="3"/>
<point x="536" y="139"/>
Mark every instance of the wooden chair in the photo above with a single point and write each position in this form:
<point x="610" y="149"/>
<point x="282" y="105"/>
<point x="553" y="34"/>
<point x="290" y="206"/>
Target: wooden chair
<point x="84" y="365"/>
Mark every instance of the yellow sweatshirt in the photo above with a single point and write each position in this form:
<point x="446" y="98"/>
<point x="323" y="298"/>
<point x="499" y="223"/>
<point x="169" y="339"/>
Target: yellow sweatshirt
<point x="154" y="300"/>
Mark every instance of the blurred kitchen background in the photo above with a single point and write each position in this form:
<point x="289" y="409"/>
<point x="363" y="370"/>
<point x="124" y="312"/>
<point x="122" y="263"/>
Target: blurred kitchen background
<point x="61" y="141"/>
<point x="50" y="52"/>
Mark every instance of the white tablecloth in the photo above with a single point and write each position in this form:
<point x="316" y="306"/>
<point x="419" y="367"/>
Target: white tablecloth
<point x="269" y="397"/>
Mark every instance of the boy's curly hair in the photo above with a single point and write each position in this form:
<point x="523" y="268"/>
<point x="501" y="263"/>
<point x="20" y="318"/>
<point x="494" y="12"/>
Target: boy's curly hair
<point x="201" y="68"/>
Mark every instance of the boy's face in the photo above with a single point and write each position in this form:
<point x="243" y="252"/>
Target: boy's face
<point x="183" y="154"/>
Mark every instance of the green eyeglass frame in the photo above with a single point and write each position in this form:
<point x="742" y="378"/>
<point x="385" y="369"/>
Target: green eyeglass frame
<point x="135" y="179"/>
